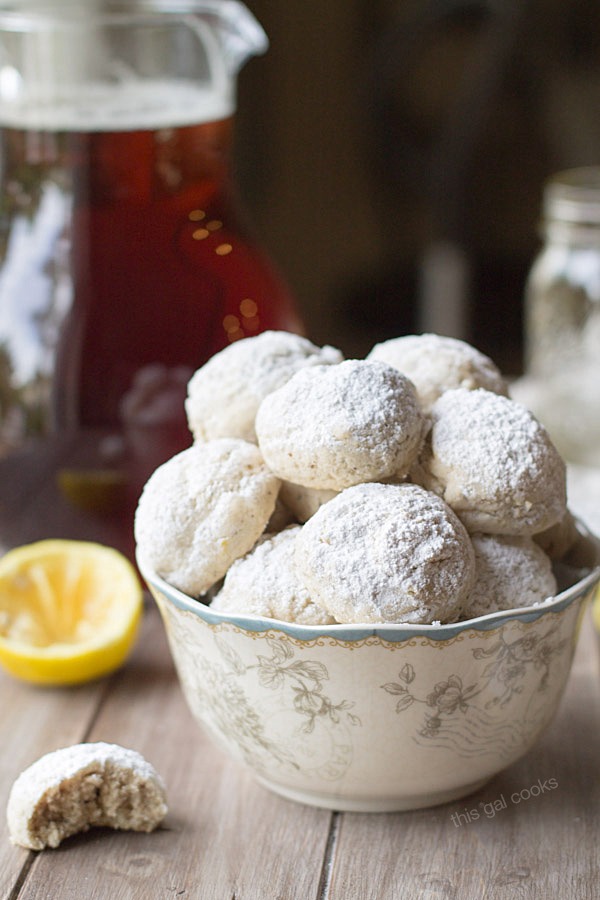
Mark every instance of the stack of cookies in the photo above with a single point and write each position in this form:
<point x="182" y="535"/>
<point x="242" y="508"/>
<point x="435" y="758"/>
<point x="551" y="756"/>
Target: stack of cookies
<point x="401" y="488"/>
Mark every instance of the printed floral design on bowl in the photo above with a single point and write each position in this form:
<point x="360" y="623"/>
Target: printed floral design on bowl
<point x="223" y="692"/>
<point x="305" y="678"/>
<point x="475" y="718"/>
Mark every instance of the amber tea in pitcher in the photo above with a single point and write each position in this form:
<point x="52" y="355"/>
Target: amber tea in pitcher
<point x="124" y="260"/>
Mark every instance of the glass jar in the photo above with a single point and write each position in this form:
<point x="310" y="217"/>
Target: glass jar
<point x="562" y="317"/>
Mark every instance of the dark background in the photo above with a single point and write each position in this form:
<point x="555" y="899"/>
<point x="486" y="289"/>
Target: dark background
<point x="372" y="130"/>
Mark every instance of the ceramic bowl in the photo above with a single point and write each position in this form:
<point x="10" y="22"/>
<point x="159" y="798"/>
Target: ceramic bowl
<point x="395" y="717"/>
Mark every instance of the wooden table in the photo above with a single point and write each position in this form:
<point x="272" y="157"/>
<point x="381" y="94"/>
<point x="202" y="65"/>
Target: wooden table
<point x="227" y="838"/>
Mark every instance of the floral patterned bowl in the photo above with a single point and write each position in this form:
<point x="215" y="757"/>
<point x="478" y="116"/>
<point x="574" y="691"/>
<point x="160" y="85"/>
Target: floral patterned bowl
<point x="395" y="717"/>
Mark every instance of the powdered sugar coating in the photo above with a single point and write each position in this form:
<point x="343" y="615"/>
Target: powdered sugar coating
<point x="264" y="583"/>
<point x="493" y="463"/>
<point x="225" y="393"/>
<point x="203" y="509"/>
<point x="510" y="571"/>
<point x="436" y="364"/>
<point x="71" y="789"/>
<point x="386" y="553"/>
<point x="330" y="427"/>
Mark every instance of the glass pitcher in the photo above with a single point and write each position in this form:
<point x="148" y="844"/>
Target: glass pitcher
<point x="123" y="261"/>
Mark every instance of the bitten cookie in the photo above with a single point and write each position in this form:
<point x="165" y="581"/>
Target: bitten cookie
<point x="225" y="393"/>
<point x="264" y="583"/>
<point x="330" y="427"/>
<point x="75" y="788"/>
<point x="203" y="509"/>
<point x="436" y="364"/>
<point x="509" y="572"/>
<point x="386" y="553"/>
<point x="493" y="463"/>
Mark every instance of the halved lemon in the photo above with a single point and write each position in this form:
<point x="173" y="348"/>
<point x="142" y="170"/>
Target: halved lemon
<point x="69" y="611"/>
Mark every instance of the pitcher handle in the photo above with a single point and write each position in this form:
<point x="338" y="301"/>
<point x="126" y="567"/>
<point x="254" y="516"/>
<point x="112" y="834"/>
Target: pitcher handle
<point x="240" y="34"/>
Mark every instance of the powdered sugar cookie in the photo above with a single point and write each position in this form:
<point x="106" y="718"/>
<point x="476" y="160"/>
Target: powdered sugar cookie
<point x="75" y="788"/>
<point x="202" y="509"/>
<point x="436" y="364"/>
<point x="493" y="463"/>
<point x="303" y="502"/>
<point x="386" y="553"/>
<point x="330" y="427"/>
<point x="510" y="571"/>
<point x="264" y="583"/>
<point x="224" y="395"/>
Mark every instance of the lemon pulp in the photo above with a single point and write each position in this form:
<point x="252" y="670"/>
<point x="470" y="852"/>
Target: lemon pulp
<point x="69" y="611"/>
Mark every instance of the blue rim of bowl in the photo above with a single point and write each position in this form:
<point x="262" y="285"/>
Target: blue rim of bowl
<point x="388" y="632"/>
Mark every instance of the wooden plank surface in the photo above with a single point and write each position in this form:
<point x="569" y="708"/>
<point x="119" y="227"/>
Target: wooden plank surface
<point x="225" y="837"/>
